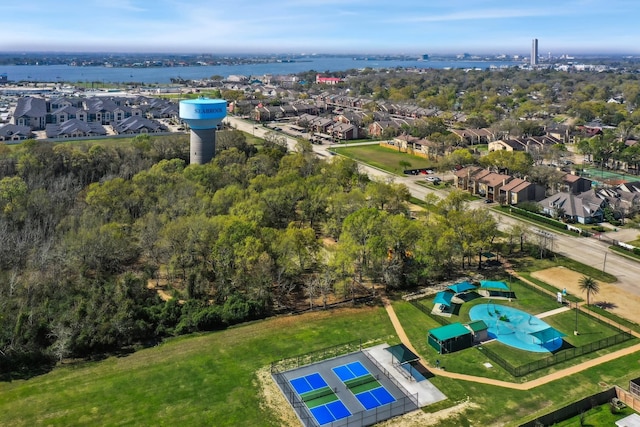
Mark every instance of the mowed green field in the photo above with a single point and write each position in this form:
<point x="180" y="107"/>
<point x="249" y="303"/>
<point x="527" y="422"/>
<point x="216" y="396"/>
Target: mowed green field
<point x="384" y="158"/>
<point x="496" y="406"/>
<point x="207" y="379"/>
<point x="210" y="379"/>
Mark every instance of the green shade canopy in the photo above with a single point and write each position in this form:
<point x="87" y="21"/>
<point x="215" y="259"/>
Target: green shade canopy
<point x="461" y="287"/>
<point x="402" y="353"/>
<point x="488" y="284"/>
<point x="443" y="297"/>
<point x="478" y="326"/>
<point x="546" y="335"/>
<point x="448" y="332"/>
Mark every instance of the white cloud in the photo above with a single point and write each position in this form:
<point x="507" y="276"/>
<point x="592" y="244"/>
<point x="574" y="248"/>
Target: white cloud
<point x="125" y="5"/>
<point x="479" y="15"/>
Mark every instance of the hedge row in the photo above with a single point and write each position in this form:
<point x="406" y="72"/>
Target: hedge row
<point x="539" y="218"/>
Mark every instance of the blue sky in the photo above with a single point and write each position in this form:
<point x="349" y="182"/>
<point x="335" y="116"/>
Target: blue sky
<point x="321" y="26"/>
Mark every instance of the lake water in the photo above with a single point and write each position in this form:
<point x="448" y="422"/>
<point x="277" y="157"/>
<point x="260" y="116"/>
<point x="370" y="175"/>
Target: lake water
<point x="163" y="75"/>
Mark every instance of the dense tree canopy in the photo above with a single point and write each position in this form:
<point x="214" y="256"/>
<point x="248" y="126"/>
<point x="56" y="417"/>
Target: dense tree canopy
<point x="86" y="232"/>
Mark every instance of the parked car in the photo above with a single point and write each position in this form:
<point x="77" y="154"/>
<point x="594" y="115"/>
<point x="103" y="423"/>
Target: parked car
<point x="433" y="179"/>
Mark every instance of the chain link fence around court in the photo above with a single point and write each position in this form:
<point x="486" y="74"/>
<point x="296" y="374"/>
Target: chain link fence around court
<point x="400" y="406"/>
<point x="316" y="356"/>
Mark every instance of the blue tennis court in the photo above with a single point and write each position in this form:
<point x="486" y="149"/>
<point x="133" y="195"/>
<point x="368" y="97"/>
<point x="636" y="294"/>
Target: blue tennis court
<point x="350" y="371"/>
<point x="330" y="412"/>
<point x="308" y="383"/>
<point x="374" y="398"/>
<point x="324" y="413"/>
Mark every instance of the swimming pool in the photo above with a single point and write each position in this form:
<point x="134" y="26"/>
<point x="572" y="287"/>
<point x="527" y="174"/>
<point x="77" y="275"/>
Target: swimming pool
<point x="517" y="328"/>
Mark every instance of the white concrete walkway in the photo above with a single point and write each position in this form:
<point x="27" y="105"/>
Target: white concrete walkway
<point x="552" y="312"/>
<point x="427" y="392"/>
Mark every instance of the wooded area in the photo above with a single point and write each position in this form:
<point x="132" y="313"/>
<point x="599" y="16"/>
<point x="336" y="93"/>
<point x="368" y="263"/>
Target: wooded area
<point x="85" y="228"/>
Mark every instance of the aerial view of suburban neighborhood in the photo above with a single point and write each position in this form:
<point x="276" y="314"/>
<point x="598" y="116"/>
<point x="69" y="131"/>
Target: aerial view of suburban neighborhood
<point x="391" y="233"/>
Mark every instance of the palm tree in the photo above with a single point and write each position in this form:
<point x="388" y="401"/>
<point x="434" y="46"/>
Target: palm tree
<point x="590" y="286"/>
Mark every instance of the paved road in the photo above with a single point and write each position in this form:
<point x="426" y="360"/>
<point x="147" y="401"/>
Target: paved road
<point x="588" y="251"/>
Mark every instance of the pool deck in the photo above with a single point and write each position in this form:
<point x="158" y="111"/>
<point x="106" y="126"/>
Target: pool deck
<point x="506" y="384"/>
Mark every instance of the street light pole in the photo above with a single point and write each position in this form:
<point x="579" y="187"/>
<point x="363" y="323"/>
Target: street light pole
<point x="575" y="332"/>
<point x="604" y="263"/>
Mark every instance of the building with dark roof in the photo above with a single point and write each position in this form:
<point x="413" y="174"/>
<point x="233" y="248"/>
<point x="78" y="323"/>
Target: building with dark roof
<point x="74" y="128"/>
<point x="138" y="125"/>
<point x="584" y="208"/>
<point x="31" y="112"/>
<point x="11" y="132"/>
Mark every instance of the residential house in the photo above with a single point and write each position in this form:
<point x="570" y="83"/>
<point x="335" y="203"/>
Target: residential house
<point x="466" y="178"/>
<point x="74" y="128"/>
<point x="489" y="185"/>
<point x="624" y="204"/>
<point x="474" y="136"/>
<point x="376" y="129"/>
<point x="12" y="132"/>
<point x="30" y="111"/>
<point x="344" y="131"/>
<point x="327" y="80"/>
<point x="575" y="184"/>
<point x="137" y="125"/>
<point x="526" y="144"/>
<point x="519" y="190"/>
<point x="585" y="208"/>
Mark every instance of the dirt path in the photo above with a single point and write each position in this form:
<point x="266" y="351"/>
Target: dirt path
<point x="515" y="386"/>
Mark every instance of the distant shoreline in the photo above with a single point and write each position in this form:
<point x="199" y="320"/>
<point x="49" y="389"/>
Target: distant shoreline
<point x="162" y="75"/>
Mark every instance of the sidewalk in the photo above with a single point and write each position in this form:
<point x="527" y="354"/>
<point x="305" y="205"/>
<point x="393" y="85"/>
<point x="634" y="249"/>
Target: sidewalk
<point x="498" y="383"/>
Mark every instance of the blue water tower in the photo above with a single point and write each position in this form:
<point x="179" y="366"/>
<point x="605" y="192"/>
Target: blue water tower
<point x="203" y="115"/>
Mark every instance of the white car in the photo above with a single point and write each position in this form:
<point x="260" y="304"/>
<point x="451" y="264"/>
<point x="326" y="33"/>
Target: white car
<point x="433" y="179"/>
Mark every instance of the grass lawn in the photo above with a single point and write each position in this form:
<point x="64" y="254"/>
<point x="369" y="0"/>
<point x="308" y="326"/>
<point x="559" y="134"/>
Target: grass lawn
<point x="206" y="379"/>
<point x="384" y="158"/>
<point x="590" y="330"/>
<point x="209" y="379"/>
<point x="496" y="405"/>
<point x="471" y="361"/>
<point x="598" y="416"/>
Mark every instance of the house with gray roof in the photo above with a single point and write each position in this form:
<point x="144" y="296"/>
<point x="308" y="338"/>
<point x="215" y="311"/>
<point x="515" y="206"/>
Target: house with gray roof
<point x="343" y="131"/>
<point x="15" y="133"/>
<point x="65" y="113"/>
<point x="30" y="111"/>
<point x="585" y="208"/>
<point x="623" y="203"/>
<point x="74" y="128"/>
<point x="137" y="125"/>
